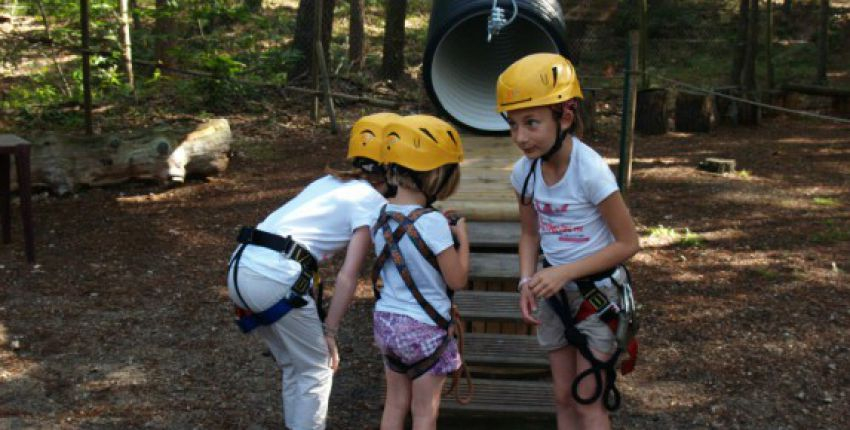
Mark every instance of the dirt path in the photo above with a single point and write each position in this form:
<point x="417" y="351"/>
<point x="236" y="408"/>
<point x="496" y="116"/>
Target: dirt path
<point x="124" y="323"/>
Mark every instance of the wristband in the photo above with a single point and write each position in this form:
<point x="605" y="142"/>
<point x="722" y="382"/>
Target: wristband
<point x="522" y="283"/>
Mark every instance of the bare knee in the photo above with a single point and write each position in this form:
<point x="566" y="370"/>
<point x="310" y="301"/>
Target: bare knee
<point x="592" y="415"/>
<point x="564" y="400"/>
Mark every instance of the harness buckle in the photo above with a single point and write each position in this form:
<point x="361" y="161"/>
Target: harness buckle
<point x="611" y="305"/>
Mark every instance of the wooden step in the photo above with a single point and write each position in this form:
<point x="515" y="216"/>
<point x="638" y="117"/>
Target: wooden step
<point x="486" y="236"/>
<point x="485" y="349"/>
<point x="488" y="305"/>
<point x="484" y="266"/>
<point x="494" y="396"/>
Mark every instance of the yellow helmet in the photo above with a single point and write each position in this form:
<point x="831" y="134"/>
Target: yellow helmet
<point x="421" y="143"/>
<point x="363" y="142"/>
<point x="536" y="80"/>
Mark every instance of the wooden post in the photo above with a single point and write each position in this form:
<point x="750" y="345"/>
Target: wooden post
<point x="644" y="44"/>
<point x="326" y="86"/>
<point x="84" y="23"/>
<point x="314" y="67"/>
<point x="627" y="132"/>
<point x="768" y="51"/>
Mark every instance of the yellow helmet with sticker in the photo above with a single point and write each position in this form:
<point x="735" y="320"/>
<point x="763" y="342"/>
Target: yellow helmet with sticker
<point x="540" y="79"/>
<point x="421" y="143"/>
<point x="366" y="136"/>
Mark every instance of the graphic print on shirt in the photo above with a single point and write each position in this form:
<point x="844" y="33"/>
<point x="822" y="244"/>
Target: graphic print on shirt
<point x="547" y="221"/>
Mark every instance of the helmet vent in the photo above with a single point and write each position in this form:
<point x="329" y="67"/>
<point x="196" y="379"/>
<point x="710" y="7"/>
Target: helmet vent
<point x="554" y="76"/>
<point x="428" y="133"/>
<point x="452" y="137"/>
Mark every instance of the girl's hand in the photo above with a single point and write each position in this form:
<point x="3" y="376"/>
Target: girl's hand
<point x="333" y="352"/>
<point x="546" y="282"/>
<point x="527" y="304"/>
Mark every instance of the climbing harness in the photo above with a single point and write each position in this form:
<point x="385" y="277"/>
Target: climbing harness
<point x="452" y="326"/>
<point x="621" y="319"/>
<point x="247" y="319"/>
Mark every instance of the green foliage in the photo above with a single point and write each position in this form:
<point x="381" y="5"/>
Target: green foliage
<point x="223" y="88"/>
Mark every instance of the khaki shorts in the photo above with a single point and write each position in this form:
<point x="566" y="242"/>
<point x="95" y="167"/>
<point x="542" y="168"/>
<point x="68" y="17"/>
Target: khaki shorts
<point x="550" y="332"/>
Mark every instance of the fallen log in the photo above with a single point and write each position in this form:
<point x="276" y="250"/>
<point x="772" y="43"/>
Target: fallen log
<point x="63" y="163"/>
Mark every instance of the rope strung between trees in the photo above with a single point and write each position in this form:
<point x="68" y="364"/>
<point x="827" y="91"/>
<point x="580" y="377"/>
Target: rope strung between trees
<point x="752" y="102"/>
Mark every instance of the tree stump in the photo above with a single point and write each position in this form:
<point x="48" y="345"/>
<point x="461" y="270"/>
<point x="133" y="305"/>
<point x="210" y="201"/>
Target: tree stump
<point x="717" y="165"/>
<point x="749" y="114"/>
<point x="695" y="112"/>
<point x="727" y="109"/>
<point x="63" y="163"/>
<point x="651" y="113"/>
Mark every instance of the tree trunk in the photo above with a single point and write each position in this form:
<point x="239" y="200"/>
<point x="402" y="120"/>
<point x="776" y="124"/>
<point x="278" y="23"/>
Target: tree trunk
<point x="651" y="113"/>
<point x="165" y="29"/>
<point x="748" y="75"/>
<point x="305" y="33"/>
<point x="63" y="163"/>
<point x="694" y="112"/>
<point x="749" y="114"/>
<point x="392" y="66"/>
<point x="823" y="41"/>
<point x="356" y="34"/>
<point x="126" y="45"/>
<point x="739" y="50"/>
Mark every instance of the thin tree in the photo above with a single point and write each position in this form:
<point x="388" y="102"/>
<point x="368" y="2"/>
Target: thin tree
<point x="823" y="40"/>
<point x="392" y="65"/>
<point x="356" y="34"/>
<point x="126" y="45"/>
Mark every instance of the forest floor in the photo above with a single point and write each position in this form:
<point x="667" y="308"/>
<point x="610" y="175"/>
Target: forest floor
<point x="125" y="321"/>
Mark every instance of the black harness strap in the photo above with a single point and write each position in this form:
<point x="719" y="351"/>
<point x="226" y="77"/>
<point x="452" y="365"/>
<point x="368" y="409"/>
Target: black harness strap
<point x="392" y="251"/>
<point x="606" y="388"/>
<point x="247" y="318"/>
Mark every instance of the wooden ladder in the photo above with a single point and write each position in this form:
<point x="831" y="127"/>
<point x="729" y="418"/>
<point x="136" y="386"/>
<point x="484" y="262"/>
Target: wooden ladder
<point x="510" y="370"/>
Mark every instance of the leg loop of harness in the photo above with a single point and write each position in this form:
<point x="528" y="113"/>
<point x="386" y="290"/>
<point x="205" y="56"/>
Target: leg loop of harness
<point x="604" y="372"/>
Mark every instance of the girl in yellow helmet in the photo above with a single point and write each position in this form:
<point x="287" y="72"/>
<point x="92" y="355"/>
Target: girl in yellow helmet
<point x="413" y="320"/>
<point x="571" y="208"/>
<point x="271" y="273"/>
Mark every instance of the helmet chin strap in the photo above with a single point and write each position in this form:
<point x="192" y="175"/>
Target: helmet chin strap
<point x="560" y="135"/>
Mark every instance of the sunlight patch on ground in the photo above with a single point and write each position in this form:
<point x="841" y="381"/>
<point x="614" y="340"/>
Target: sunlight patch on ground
<point x="663" y="395"/>
<point x="126" y="376"/>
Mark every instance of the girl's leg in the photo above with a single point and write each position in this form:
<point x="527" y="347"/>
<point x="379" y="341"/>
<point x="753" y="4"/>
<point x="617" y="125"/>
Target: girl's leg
<point x="592" y="416"/>
<point x="397" y="401"/>
<point x="426" y="401"/>
<point x="289" y="393"/>
<point x="301" y="333"/>
<point x="563" y="364"/>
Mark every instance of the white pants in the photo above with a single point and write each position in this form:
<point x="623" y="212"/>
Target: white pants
<point x="298" y="346"/>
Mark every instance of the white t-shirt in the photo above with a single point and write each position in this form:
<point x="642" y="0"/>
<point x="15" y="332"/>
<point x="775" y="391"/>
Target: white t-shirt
<point x="321" y="218"/>
<point x="568" y="218"/>
<point x="395" y="297"/>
